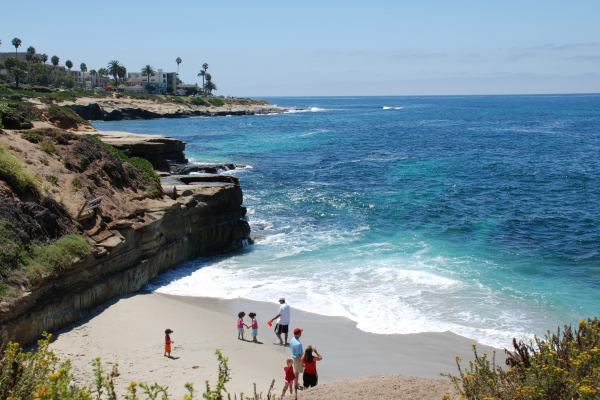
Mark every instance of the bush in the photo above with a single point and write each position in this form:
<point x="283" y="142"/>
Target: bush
<point x="13" y="173"/>
<point x="40" y="374"/>
<point x="197" y="101"/>
<point x="52" y="179"/>
<point x="47" y="147"/>
<point x="216" y="102"/>
<point x="65" y="117"/>
<point x="31" y="137"/>
<point x="557" y="367"/>
<point x="76" y="184"/>
<point x="61" y="253"/>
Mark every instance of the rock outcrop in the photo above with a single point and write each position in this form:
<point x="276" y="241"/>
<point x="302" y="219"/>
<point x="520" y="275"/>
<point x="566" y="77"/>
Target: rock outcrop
<point x="203" y="221"/>
<point x="161" y="151"/>
<point x="110" y="109"/>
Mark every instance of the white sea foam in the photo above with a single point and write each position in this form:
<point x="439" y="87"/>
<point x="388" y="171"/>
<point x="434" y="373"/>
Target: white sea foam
<point x="312" y="109"/>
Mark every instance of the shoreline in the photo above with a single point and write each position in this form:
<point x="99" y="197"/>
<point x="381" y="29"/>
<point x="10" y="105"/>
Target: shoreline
<point x="129" y="329"/>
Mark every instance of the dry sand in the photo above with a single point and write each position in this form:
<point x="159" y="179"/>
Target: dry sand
<point x="130" y="330"/>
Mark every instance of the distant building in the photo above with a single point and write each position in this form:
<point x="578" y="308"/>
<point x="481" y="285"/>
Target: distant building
<point x="181" y="89"/>
<point x="161" y="81"/>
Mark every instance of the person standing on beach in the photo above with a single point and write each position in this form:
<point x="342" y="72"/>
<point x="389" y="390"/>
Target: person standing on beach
<point x="297" y="353"/>
<point x="309" y="362"/>
<point x="168" y="342"/>
<point x="283" y="321"/>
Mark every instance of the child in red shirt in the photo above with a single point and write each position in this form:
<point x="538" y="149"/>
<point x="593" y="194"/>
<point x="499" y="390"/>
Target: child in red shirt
<point x="289" y="376"/>
<point x="168" y="342"/>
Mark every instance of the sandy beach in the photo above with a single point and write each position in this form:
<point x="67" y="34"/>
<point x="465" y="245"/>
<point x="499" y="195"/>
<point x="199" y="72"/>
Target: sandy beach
<point x="130" y="330"/>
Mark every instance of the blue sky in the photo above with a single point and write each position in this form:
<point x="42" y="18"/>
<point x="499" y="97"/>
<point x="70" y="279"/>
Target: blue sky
<point x="320" y="48"/>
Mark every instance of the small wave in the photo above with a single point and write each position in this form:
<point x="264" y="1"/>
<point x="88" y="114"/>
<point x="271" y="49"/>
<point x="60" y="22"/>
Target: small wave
<point x="387" y="108"/>
<point x="312" y="109"/>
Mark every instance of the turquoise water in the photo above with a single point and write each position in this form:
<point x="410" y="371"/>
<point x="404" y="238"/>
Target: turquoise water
<point x="476" y="215"/>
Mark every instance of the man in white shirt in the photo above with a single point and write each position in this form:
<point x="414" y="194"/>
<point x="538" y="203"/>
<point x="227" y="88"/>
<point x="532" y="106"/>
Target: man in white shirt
<point x="283" y="321"/>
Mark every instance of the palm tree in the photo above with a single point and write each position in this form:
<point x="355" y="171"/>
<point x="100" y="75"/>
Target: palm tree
<point x="210" y="86"/>
<point x="69" y="64"/>
<point x="17" y="43"/>
<point x="205" y="66"/>
<point x="202" y="73"/>
<point x="44" y="57"/>
<point x="55" y="60"/>
<point x="93" y="73"/>
<point x="113" y="69"/>
<point x="178" y="61"/>
<point x="83" y="68"/>
<point x="148" y="71"/>
<point x="30" y="53"/>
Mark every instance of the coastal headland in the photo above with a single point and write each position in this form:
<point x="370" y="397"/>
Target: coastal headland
<point x="113" y="206"/>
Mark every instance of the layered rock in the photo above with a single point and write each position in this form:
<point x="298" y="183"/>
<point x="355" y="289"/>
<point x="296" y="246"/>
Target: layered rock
<point x="161" y="151"/>
<point x="110" y="109"/>
<point x="204" y="220"/>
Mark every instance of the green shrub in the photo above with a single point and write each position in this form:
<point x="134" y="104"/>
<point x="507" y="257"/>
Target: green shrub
<point x="216" y="102"/>
<point x="58" y="113"/>
<point x="197" y="101"/>
<point x="557" y="367"/>
<point x="13" y="173"/>
<point x="52" y="179"/>
<point x="44" y="161"/>
<point x="60" y="254"/>
<point x="47" y="147"/>
<point x="76" y="184"/>
<point x="32" y="137"/>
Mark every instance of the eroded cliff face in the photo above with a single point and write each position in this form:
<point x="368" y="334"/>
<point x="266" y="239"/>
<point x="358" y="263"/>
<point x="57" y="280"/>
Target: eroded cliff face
<point x="205" y="219"/>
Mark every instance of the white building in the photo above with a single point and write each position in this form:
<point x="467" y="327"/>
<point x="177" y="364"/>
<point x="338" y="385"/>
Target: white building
<point x="161" y="81"/>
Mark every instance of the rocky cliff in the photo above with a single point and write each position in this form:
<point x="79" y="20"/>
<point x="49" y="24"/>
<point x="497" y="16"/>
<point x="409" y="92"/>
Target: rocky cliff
<point x="110" y="109"/>
<point x="134" y="237"/>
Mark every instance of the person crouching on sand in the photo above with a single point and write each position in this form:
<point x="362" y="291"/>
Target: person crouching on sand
<point x="240" y="325"/>
<point x="289" y="376"/>
<point x="252" y="316"/>
<point x="168" y="342"/>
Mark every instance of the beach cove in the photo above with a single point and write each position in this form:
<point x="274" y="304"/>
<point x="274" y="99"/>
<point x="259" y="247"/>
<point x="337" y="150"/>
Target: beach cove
<point x="129" y="330"/>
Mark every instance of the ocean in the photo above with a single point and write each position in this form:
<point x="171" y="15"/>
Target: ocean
<point x="477" y="215"/>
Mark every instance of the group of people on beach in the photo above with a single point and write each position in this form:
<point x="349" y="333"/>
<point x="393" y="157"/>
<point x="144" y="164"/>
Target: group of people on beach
<point x="301" y="361"/>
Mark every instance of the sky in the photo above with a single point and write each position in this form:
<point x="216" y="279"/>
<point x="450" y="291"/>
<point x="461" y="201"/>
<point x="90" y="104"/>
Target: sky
<point x="328" y="47"/>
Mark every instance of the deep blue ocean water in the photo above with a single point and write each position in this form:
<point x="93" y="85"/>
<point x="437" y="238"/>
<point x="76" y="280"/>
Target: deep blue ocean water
<point x="472" y="214"/>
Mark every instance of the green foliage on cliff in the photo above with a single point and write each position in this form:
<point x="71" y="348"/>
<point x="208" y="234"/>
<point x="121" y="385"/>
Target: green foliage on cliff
<point x="149" y="177"/>
<point x="22" y="261"/>
<point x="197" y="101"/>
<point x="12" y="172"/>
<point x="56" y="112"/>
<point x="216" y="102"/>
<point x="560" y="366"/>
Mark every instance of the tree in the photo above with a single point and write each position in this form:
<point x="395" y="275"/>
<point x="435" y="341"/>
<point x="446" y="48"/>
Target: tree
<point x="30" y="53"/>
<point x="69" y="64"/>
<point x="148" y="71"/>
<point x="17" y="43"/>
<point x="16" y="68"/>
<point x="55" y="60"/>
<point x="44" y="57"/>
<point x="83" y="68"/>
<point x="93" y="73"/>
<point x="122" y="73"/>
<point x="202" y="73"/>
<point x="37" y="71"/>
<point x="113" y="69"/>
<point x="178" y="61"/>
<point x="149" y="88"/>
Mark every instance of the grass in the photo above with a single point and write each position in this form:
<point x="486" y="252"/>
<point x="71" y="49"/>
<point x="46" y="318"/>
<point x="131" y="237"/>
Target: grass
<point x="52" y="179"/>
<point x="216" y="102"/>
<point x="12" y="172"/>
<point x="76" y="184"/>
<point x="48" y="148"/>
<point x="197" y="101"/>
